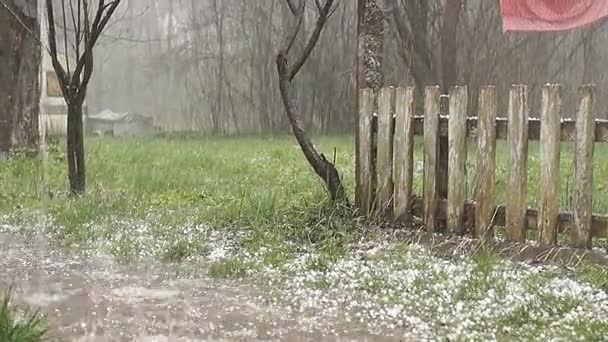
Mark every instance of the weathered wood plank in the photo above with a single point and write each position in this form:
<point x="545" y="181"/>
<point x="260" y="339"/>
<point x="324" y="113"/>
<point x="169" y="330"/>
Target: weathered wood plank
<point x="384" y="161"/>
<point x="599" y="225"/>
<point x="364" y="153"/>
<point x="404" y="151"/>
<point x="457" y="157"/>
<point x="486" y="163"/>
<point x="548" y="203"/>
<point x="431" y="126"/>
<point x="517" y="175"/>
<point x="567" y="130"/>
<point x="583" y="171"/>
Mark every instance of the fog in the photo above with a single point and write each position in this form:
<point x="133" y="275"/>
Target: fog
<point x="208" y="64"/>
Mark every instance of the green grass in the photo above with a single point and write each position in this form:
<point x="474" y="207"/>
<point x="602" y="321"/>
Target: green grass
<point x="19" y="326"/>
<point x="261" y="184"/>
<point x="229" y="268"/>
<point x="230" y="184"/>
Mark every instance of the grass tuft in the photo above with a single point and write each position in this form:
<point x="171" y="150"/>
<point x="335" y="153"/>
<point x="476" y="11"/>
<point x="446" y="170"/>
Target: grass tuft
<point x="19" y="326"/>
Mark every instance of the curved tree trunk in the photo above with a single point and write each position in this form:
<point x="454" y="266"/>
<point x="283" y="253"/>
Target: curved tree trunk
<point x="323" y="167"/>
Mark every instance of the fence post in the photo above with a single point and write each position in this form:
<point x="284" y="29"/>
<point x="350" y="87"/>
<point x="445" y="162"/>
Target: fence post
<point x="583" y="171"/>
<point x="431" y="135"/>
<point x="365" y="151"/>
<point x="457" y="185"/>
<point x="404" y="151"/>
<point x="486" y="163"/>
<point x="517" y="137"/>
<point x="384" y="159"/>
<point x="550" y="132"/>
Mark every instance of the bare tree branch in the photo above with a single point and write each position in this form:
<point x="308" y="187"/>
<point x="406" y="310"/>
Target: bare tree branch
<point x="312" y="41"/>
<point x="299" y="13"/>
<point x="293" y="8"/>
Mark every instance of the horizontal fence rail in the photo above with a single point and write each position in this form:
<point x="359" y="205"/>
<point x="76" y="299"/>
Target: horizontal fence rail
<point x="567" y="129"/>
<point x="385" y="155"/>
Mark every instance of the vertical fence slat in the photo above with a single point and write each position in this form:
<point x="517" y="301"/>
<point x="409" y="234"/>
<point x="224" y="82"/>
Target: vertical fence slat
<point x="384" y="161"/>
<point x="486" y="163"/>
<point x="404" y="151"/>
<point x="457" y="133"/>
<point x="517" y="137"/>
<point x="583" y="171"/>
<point x="364" y="154"/>
<point x="431" y="132"/>
<point x="548" y="204"/>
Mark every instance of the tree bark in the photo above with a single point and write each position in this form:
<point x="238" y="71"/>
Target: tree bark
<point x="20" y="57"/>
<point x="75" y="148"/>
<point x="370" y="60"/>
<point x="371" y="45"/>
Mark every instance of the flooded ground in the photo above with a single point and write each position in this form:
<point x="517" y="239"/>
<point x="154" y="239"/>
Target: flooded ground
<point x="91" y="298"/>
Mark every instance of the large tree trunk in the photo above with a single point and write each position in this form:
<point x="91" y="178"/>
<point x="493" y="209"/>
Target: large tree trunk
<point x="371" y="45"/>
<point x="19" y="75"/>
<point x="370" y="58"/>
<point x="75" y="146"/>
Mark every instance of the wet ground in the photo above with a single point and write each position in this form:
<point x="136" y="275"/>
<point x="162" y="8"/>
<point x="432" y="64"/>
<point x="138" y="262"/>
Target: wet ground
<point x="91" y="298"/>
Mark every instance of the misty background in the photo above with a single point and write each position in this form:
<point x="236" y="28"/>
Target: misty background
<point x="208" y="65"/>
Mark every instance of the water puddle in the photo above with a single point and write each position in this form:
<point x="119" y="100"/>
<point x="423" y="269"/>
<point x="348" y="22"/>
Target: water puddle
<point x="91" y="298"/>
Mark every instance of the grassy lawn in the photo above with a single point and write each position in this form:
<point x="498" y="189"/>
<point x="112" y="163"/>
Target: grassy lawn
<point x="251" y="207"/>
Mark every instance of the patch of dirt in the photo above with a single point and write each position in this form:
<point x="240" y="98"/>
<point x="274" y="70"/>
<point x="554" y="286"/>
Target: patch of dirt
<point x="90" y="298"/>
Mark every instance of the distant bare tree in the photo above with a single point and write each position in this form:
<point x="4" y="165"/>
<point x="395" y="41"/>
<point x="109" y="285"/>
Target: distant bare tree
<point x="321" y="165"/>
<point x="83" y="27"/>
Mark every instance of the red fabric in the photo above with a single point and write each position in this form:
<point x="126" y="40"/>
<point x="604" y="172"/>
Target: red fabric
<point x="550" y="15"/>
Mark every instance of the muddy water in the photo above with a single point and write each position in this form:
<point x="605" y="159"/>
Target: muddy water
<point x="91" y="298"/>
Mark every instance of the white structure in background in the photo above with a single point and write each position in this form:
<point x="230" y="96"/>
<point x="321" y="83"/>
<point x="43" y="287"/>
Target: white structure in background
<point x="53" y="118"/>
<point x="110" y="123"/>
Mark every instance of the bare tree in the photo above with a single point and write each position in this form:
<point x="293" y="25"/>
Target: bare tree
<point x="85" y="27"/>
<point x="321" y="165"/>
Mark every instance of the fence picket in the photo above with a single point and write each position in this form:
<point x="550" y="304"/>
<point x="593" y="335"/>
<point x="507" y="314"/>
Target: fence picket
<point x="457" y="155"/>
<point x="486" y="163"/>
<point x="431" y="131"/>
<point x="384" y="158"/>
<point x="548" y="204"/>
<point x="583" y="172"/>
<point x="517" y="137"/>
<point x="404" y="151"/>
<point x="364" y="153"/>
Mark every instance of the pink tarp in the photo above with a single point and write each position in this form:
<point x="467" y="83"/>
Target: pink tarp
<point x="551" y="15"/>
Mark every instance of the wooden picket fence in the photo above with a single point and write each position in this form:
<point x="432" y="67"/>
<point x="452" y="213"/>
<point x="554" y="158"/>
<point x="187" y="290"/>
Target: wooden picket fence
<point x="385" y="161"/>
